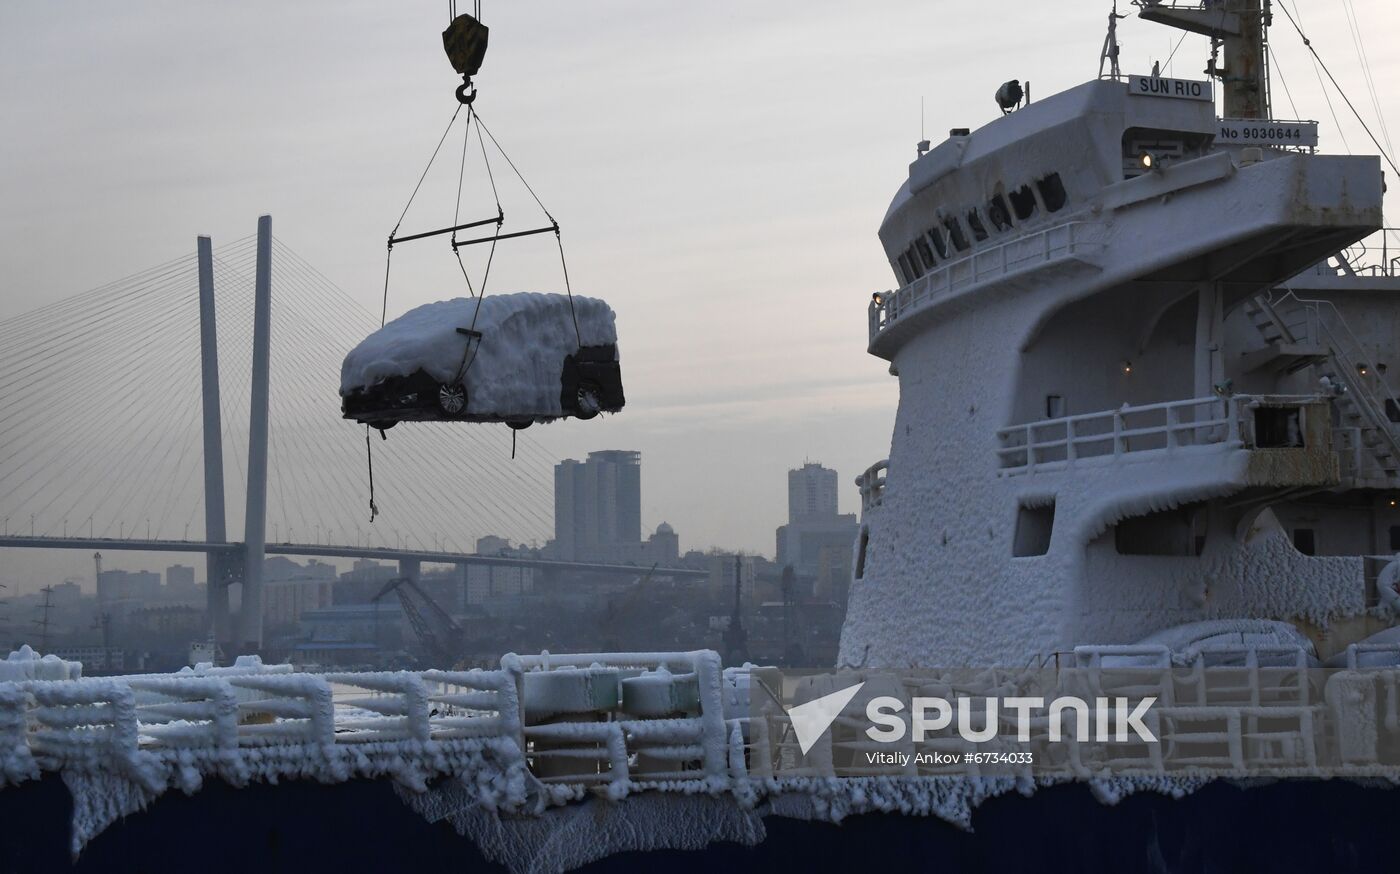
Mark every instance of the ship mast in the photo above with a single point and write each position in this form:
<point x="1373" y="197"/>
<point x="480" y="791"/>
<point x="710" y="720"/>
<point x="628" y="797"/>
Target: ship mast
<point x="1241" y="28"/>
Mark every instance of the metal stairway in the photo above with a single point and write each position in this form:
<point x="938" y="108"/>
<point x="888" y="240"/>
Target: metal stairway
<point x="1283" y="352"/>
<point x="1313" y="333"/>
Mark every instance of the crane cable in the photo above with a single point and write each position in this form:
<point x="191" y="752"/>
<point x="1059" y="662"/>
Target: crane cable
<point x="1359" y="42"/>
<point x="384" y="306"/>
<point x="558" y="238"/>
<point x="467" y="354"/>
<point x="1307" y="42"/>
<point x="384" y="310"/>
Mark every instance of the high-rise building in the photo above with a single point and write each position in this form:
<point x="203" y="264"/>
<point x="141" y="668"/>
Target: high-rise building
<point x="598" y="506"/>
<point x="811" y="492"/>
<point x="814" y="524"/>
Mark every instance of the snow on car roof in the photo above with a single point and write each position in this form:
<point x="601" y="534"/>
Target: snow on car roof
<point x="525" y="337"/>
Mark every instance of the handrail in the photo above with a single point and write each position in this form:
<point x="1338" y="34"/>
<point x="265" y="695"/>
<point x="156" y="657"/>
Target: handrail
<point x="1041" y="247"/>
<point x="1362" y="386"/>
<point x="1024" y="449"/>
<point x="1355" y="256"/>
<point x="1347" y="442"/>
<point x="872" y="485"/>
<point x="657" y="729"/>
<point x="1194" y="422"/>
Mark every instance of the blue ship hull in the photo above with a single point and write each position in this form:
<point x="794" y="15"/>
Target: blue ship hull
<point x="1296" y="825"/>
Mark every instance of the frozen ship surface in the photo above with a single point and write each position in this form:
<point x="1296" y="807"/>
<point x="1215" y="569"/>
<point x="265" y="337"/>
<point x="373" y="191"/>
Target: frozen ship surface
<point x="1142" y="384"/>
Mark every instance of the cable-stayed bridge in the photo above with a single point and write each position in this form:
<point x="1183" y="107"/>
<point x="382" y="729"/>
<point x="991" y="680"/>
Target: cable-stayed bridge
<point x="126" y="427"/>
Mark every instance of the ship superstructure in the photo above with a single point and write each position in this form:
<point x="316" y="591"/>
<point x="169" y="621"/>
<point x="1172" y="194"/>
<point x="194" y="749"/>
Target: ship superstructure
<point x="1141" y="382"/>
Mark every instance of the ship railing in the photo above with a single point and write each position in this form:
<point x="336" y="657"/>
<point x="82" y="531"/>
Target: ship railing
<point x="1374" y="655"/>
<point x="872" y="485"/>
<point x="614" y="719"/>
<point x="1165" y="427"/>
<point x="1374" y="567"/>
<point x="1055" y="443"/>
<point x="1377" y="255"/>
<point x="1347" y="442"/>
<point x="1055" y="243"/>
<point x="1363" y="380"/>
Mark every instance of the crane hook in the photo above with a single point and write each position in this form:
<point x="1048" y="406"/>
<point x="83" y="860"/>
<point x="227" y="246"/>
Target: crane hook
<point x="463" y="96"/>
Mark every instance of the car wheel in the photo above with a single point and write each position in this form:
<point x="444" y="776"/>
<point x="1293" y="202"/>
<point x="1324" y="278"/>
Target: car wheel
<point x="452" y="399"/>
<point x="519" y="424"/>
<point x="589" y="400"/>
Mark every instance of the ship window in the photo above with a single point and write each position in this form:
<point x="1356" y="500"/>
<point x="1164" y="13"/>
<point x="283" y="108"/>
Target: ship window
<point x="955" y="233"/>
<point x="997" y="213"/>
<point x="1305" y="541"/>
<point x="1054" y="406"/>
<point x="925" y="253"/>
<point x="907" y="269"/>
<point x="1022" y="202"/>
<point x="974" y="221"/>
<point x="860" y="552"/>
<point x="920" y="268"/>
<point x="935" y="236"/>
<point x="1392" y="410"/>
<point x="1052" y="191"/>
<point x="1395" y="538"/>
<point x="1033" y="528"/>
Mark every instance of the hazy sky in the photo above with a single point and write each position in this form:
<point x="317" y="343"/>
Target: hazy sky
<point x="719" y="170"/>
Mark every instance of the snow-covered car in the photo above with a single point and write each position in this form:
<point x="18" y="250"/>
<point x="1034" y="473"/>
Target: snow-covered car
<point x="513" y="358"/>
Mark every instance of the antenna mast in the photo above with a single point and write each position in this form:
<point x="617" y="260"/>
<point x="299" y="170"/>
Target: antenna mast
<point x="1109" y="53"/>
<point x="1241" y="28"/>
<point x="44" y="622"/>
<point x="923" y="146"/>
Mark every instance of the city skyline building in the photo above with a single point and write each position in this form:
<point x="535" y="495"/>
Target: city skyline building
<point x="811" y="492"/>
<point x="815" y="528"/>
<point x="598" y="506"/>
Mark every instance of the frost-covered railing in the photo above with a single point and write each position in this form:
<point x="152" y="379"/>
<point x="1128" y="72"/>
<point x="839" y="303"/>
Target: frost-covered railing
<point x="1349" y="446"/>
<point x="872" y="485"/>
<point x="1063" y="441"/>
<point x="1061" y="242"/>
<point x="620" y="720"/>
<point x="1364" y="384"/>
<point x="1162" y="427"/>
